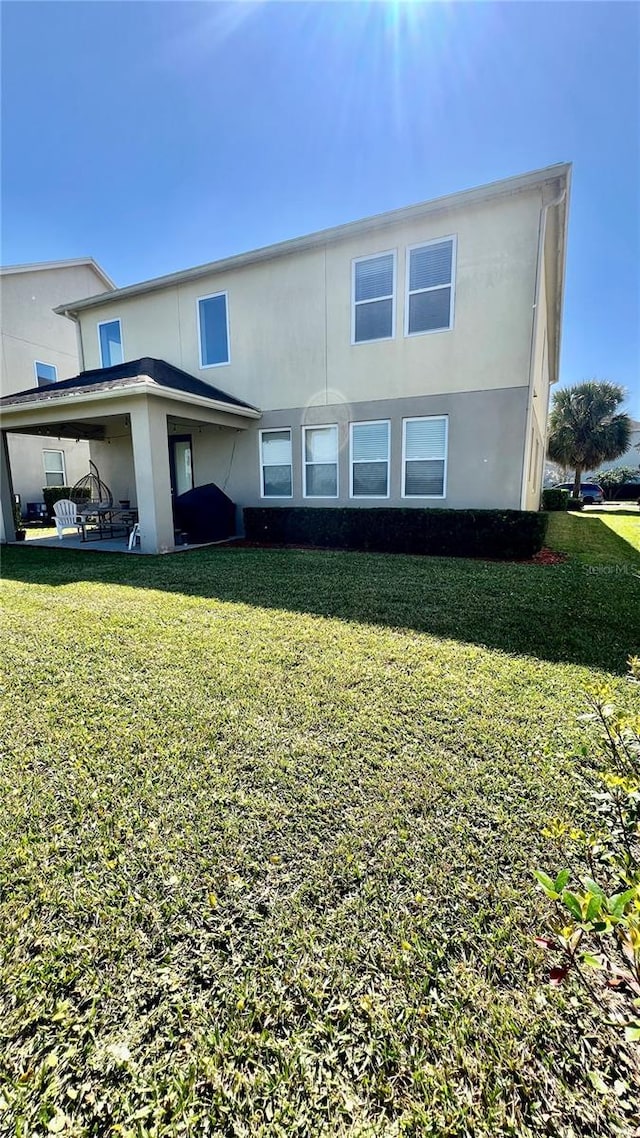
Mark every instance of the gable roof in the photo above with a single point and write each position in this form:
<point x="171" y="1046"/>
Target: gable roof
<point x="505" y="187"/>
<point x="75" y="262"/>
<point x="125" y="376"/>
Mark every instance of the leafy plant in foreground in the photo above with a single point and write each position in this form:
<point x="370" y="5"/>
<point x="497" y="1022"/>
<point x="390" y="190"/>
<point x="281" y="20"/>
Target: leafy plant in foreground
<point x="597" y="898"/>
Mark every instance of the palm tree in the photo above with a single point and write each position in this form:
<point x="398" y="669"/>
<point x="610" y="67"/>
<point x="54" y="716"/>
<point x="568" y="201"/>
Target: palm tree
<point x="586" y="427"/>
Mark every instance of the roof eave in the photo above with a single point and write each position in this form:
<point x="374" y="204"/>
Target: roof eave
<point x="144" y="387"/>
<point x="72" y="263"/>
<point x="459" y="200"/>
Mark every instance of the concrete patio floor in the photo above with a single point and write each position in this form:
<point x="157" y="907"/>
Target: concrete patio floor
<point x="48" y="539"/>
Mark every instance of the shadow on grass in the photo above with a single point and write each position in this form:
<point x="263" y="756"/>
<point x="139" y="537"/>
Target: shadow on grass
<point x="573" y="613"/>
<point x="590" y="538"/>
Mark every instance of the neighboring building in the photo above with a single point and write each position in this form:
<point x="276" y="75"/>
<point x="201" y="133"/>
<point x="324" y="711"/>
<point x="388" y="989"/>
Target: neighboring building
<point x="39" y="347"/>
<point x="401" y="360"/>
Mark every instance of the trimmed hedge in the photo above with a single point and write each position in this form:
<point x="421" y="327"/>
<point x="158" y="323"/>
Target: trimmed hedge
<point x="553" y="498"/>
<point x="53" y="494"/>
<point x="445" y="533"/>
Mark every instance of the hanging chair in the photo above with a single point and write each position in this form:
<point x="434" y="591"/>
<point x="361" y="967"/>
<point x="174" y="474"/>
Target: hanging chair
<point x="91" y="490"/>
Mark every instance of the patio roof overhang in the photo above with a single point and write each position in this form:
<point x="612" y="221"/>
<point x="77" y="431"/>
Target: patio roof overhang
<point x="151" y="393"/>
<point x="77" y="405"/>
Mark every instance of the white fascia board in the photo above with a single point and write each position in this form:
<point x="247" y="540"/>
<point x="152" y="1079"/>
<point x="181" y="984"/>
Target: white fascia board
<point x="73" y="263"/>
<point x="145" y="387"/>
<point x="458" y="200"/>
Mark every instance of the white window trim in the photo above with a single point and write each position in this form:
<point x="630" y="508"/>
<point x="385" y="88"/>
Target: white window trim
<point x="275" y="497"/>
<point x="424" y="497"/>
<point x="369" y="423"/>
<point x="214" y="296"/>
<point x="432" y="288"/>
<point x="44" y="364"/>
<point x="320" y="497"/>
<point x="101" y="324"/>
<point x="373" y="257"/>
<point x="54" y="450"/>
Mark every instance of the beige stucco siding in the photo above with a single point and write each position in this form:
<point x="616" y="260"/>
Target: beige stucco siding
<point x="540" y="369"/>
<point x="535" y="440"/>
<point x="30" y="328"/>
<point x="32" y="331"/>
<point x="26" y="454"/>
<point x="290" y="318"/>
<point x="114" y="460"/>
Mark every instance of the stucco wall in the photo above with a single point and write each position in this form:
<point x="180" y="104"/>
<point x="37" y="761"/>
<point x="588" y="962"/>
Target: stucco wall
<point x="535" y="442"/>
<point x="290" y="318"/>
<point x="31" y="331"/>
<point x="484" y="440"/>
<point x="26" y="454"/>
<point x="114" y="460"/>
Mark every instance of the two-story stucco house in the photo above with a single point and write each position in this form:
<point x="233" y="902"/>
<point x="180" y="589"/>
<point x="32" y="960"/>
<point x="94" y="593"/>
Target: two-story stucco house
<point x="39" y="348"/>
<point x="400" y="360"/>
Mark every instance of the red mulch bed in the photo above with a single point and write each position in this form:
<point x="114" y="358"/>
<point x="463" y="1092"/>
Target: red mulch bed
<point x="547" y="557"/>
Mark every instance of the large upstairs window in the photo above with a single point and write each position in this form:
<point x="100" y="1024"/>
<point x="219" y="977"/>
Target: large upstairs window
<point x="430" y="279"/>
<point x="110" y="338"/>
<point x="373" y="298"/>
<point x="213" y="330"/>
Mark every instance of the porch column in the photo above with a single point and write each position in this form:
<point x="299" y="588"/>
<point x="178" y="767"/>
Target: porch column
<point x="153" y="482"/>
<point x="7" y="526"/>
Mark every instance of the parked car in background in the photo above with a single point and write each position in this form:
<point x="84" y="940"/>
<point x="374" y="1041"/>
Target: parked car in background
<point x="590" y="492"/>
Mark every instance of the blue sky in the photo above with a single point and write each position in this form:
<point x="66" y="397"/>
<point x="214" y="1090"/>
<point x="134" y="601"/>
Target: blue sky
<point x="155" y="136"/>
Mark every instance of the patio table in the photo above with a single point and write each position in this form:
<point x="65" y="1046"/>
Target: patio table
<point x="105" y="521"/>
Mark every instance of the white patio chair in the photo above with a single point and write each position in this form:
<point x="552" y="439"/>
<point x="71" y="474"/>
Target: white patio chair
<point x="66" y="516"/>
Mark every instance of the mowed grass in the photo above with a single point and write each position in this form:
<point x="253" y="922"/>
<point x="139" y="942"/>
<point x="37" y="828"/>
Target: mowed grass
<point x="598" y="537"/>
<point x="266" y="847"/>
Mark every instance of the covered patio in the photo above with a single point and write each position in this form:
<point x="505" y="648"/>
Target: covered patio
<point x="135" y="417"/>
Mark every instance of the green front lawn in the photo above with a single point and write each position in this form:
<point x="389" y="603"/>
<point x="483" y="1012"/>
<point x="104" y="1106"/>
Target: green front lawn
<point x="598" y="537"/>
<point x="266" y="847"/>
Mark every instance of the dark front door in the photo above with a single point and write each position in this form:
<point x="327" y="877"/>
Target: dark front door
<point x="180" y="464"/>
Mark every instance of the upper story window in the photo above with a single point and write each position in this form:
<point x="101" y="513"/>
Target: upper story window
<point x="320" y="462"/>
<point x="213" y="330"/>
<point x="370" y="459"/>
<point x="110" y="337"/>
<point x="54" y="472"/>
<point x="430" y="283"/>
<point x="275" y="464"/>
<point x="424" y="457"/>
<point x="374" y="280"/>
<point x="45" y="373"/>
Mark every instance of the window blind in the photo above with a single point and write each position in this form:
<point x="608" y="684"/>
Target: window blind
<point x="276" y="464"/>
<point x="430" y="288"/>
<point x="373" y="298"/>
<point x="425" y="447"/>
